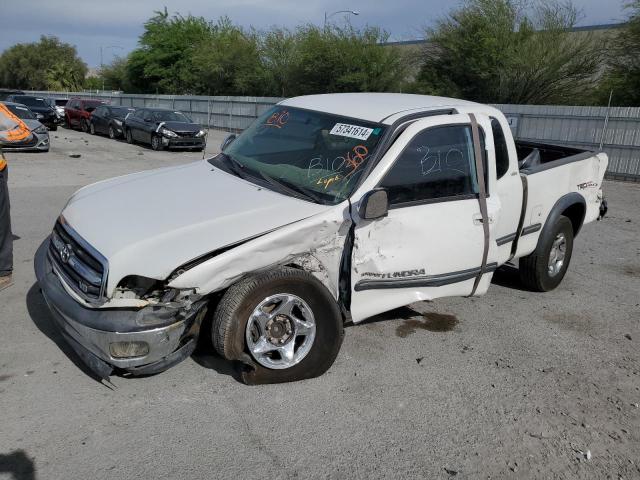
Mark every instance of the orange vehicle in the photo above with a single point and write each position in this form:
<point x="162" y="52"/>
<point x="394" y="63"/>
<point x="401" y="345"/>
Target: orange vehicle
<point x="13" y="131"/>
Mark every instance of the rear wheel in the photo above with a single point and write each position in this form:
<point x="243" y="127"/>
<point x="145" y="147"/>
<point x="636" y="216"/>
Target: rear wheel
<point x="545" y="268"/>
<point x="112" y="132"/>
<point x="84" y="125"/>
<point x="284" y="324"/>
<point x="156" y="142"/>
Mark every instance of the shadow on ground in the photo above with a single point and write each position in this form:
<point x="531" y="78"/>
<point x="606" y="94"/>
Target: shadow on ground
<point x="41" y="317"/>
<point x="18" y="465"/>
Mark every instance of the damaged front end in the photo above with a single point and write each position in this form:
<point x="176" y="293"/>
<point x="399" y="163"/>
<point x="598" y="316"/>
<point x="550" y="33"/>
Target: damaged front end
<point x="138" y="340"/>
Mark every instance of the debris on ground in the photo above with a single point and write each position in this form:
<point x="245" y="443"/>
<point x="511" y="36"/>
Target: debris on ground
<point x="419" y="359"/>
<point x="627" y="336"/>
<point x="453" y="473"/>
<point x="75" y="155"/>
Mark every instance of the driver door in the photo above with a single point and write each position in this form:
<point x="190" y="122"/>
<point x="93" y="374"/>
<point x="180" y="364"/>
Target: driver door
<point x="431" y="242"/>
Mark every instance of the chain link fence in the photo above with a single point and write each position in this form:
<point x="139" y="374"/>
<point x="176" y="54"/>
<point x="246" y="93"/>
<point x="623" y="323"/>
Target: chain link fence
<point x="616" y="129"/>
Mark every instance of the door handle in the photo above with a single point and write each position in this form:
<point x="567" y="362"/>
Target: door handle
<point x="477" y="219"/>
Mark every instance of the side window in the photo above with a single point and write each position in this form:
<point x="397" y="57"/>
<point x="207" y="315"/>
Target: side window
<point x="502" y="153"/>
<point x="139" y="114"/>
<point x="438" y="163"/>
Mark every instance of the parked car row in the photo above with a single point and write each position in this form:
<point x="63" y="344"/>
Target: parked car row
<point x="160" y="128"/>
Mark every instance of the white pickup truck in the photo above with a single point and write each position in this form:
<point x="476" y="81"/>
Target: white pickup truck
<point x="329" y="208"/>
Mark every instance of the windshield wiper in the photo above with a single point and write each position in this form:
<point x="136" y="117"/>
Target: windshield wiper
<point x="237" y="167"/>
<point x="292" y="188"/>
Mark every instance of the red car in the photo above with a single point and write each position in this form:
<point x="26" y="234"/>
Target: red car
<point x="77" y="112"/>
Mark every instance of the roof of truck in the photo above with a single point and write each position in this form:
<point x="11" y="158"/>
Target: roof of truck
<point x="374" y="107"/>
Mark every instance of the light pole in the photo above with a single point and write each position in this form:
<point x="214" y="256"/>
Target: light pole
<point x="328" y="16"/>
<point x="102" y="64"/>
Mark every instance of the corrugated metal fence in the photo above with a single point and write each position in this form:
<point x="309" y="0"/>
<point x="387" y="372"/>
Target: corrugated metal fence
<point x="617" y="128"/>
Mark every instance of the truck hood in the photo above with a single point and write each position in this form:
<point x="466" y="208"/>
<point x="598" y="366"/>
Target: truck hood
<point x="152" y="222"/>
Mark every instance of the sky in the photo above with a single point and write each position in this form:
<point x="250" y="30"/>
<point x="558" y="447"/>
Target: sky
<point x="115" y="25"/>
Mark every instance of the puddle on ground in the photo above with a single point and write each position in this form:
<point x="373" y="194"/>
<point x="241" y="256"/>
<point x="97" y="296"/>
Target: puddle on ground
<point x="433" y="322"/>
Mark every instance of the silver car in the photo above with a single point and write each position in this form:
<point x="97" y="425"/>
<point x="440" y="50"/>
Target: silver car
<point x="40" y="135"/>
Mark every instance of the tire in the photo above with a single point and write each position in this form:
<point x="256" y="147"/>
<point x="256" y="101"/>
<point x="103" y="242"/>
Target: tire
<point x="129" y="136"/>
<point x="156" y="142"/>
<point x="53" y="128"/>
<point x="84" y="126"/>
<point x="112" y="132"/>
<point x="537" y="271"/>
<point x="312" y="354"/>
<point x="92" y="129"/>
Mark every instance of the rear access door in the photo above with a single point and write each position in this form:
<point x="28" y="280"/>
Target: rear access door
<point x="432" y="242"/>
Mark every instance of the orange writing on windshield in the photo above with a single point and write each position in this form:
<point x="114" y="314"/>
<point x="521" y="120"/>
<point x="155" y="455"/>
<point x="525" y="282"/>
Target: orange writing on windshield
<point x="277" y="119"/>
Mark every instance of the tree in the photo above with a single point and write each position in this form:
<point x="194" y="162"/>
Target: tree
<point x="623" y="76"/>
<point x="48" y="64"/>
<point x="115" y="75"/>
<point x="314" y="60"/>
<point x="164" y="61"/>
<point x="493" y="51"/>
<point x="227" y="62"/>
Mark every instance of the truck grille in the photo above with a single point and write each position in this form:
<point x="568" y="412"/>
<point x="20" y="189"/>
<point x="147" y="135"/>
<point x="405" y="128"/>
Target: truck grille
<point x="80" y="266"/>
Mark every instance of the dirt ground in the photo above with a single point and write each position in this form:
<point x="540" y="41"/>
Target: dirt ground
<point x="512" y="385"/>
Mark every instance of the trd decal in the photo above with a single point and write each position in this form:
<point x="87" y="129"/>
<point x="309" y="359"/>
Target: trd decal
<point x="402" y="274"/>
<point x="582" y="186"/>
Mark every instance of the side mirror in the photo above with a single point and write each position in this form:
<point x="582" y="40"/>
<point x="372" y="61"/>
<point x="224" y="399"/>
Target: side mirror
<point x="227" y="141"/>
<point x="374" y="204"/>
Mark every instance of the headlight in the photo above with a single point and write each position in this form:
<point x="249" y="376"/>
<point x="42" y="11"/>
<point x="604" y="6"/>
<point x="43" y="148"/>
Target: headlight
<point x="201" y="133"/>
<point x="117" y="122"/>
<point x="41" y="130"/>
<point x="39" y="116"/>
<point x="168" y="133"/>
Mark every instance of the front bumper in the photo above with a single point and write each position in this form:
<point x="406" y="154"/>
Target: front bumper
<point x="90" y="332"/>
<point x="183" y="142"/>
<point x="38" y="142"/>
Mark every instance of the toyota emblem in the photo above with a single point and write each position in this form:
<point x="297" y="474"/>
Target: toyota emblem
<point x="65" y="253"/>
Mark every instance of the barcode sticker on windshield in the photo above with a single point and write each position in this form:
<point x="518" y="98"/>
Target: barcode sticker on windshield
<point x="353" y="131"/>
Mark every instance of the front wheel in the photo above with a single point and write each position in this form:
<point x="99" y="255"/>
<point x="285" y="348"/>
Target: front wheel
<point x="112" y="132"/>
<point x="129" y="136"/>
<point x="283" y="323"/>
<point x="92" y="129"/>
<point x="156" y="142"/>
<point x="545" y="268"/>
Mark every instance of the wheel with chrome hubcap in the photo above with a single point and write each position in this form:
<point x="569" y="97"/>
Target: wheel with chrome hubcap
<point x="283" y="325"/>
<point x="112" y="132"/>
<point x="544" y="269"/>
<point x="280" y="331"/>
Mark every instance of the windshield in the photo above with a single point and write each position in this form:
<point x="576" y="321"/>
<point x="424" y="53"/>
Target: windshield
<point x="168" y="116"/>
<point x="31" y="101"/>
<point x="21" y="112"/>
<point x="322" y="154"/>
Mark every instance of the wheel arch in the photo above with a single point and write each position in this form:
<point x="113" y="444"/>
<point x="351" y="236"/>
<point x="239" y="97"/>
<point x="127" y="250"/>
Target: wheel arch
<point x="573" y="206"/>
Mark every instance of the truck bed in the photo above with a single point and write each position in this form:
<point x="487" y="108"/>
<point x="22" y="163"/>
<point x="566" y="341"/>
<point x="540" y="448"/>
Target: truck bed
<point x="534" y="157"/>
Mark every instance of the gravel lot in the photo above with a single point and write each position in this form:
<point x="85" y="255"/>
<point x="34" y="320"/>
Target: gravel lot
<point x="515" y="384"/>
